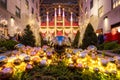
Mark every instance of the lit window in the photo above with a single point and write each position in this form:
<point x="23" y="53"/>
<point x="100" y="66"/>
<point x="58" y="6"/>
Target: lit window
<point x="119" y="29"/>
<point x="100" y="11"/>
<point x="115" y="3"/>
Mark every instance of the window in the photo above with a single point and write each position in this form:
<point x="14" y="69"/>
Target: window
<point x="3" y="3"/>
<point x="32" y="10"/>
<point x="100" y="11"/>
<point x="91" y="4"/>
<point x="33" y="1"/>
<point x="36" y="5"/>
<point x="18" y="12"/>
<point x="27" y="4"/>
<point x="86" y="10"/>
<point x="115" y="3"/>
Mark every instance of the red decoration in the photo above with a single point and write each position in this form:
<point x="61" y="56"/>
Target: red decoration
<point x="59" y="33"/>
<point x="112" y="37"/>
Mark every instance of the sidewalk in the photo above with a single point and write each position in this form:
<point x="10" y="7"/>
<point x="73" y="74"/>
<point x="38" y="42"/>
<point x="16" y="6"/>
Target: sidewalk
<point x="5" y="53"/>
<point x="108" y="53"/>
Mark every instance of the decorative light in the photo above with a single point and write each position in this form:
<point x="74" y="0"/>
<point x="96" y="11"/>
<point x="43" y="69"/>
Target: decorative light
<point x="106" y="23"/>
<point x="59" y="12"/>
<point x="71" y="17"/>
<point x="3" y="22"/>
<point x="55" y="12"/>
<point x="12" y="21"/>
<point x="63" y="12"/>
<point x="78" y="60"/>
<point x="47" y="17"/>
<point x="119" y="29"/>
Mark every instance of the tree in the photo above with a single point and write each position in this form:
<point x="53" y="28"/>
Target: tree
<point x="28" y="37"/>
<point x="76" y="39"/>
<point x="90" y="37"/>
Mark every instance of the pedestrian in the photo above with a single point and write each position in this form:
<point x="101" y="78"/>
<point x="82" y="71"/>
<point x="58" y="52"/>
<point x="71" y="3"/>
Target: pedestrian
<point x="100" y="38"/>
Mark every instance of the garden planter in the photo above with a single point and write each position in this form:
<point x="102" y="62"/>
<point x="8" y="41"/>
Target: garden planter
<point x="104" y="62"/>
<point x="35" y="60"/>
<point x="96" y="69"/>
<point x="43" y="63"/>
<point x="17" y="61"/>
<point x="3" y="60"/>
<point x="27" y="59"/>
<point x="29" y="67"/>
<point x="49" y="55"/>
<point x="6" y="73"/>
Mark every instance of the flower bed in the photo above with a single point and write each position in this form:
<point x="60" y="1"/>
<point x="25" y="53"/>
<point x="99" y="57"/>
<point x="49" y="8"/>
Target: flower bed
<point x="28" y="63"/>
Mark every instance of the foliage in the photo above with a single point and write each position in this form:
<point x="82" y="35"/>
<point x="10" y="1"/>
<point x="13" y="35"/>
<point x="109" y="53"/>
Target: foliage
<point x="61" y="72"/>
<point x="117" y="50"/>
<point x="108" y="46"/>
<point x="8" y="44"/>
<point x="90" y="37"/>
<point x="42" y="41"/>
<point x="17" y="76"/>
<point x="76" y="40"/>
<point x="28" y="37"/>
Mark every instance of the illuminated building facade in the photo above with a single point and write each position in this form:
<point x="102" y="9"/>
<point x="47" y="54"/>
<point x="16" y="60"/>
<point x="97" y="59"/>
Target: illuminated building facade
<point x="16" y="14"/>
<point x="102" y="14"/>
<point x="59" y="19"/>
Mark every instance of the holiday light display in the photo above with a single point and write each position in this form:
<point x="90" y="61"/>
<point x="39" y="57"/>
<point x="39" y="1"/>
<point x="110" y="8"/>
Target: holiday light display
<point x="74" y="58"/>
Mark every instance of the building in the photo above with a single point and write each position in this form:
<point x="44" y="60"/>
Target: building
<point x="16" y="14"/>
<point x="102" y="14"/>
<point x="59" y="18"/>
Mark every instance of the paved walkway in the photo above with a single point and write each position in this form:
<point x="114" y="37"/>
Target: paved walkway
<point x="108" y="53"/>
<point x="6" y="53"/>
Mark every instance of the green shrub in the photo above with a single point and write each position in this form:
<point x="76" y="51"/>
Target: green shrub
<point x="28" y="38"/>
<point x="108" y="46"/>
<point x="62" y="78"/>
<point x="8" y="44"/>
<point x="116" y="50"/>
<point x="59" y="72"/>
<point x="2" y="49"/>
<point x="76" y="40"/>
<point x="90" y="37"/>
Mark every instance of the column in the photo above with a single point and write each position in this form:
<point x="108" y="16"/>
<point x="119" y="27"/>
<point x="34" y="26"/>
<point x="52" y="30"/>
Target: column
<point x="55" y="15"/>
<point x="59" y="12"/>
<point x="71" y="22"/>
<point x="47" y="22"/>
<point x="71" y="19"/>
<point x="63" y="22"/>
